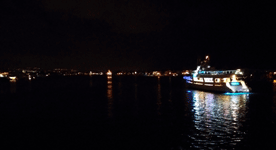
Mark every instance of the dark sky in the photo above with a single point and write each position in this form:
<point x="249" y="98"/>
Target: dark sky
<point x="137" y="34"/>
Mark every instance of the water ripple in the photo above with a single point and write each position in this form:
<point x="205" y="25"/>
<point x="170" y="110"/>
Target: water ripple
<point x="217" y="119"/>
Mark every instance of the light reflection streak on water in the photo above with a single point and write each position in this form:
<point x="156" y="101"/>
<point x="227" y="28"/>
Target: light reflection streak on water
<point x="91" y="83"/>
<point x="109" y="96"/>
<point x="159" y="103"/>
<point x="13" y="87"/>
<point x="136" y="98"/>
<point x="217" y="118"/>
<point x="170" y="89"/>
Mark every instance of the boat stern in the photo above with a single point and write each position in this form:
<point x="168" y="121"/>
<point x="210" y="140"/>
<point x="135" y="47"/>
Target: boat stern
<point x="238" y="86"/>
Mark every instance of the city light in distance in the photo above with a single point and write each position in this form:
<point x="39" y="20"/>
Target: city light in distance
<point x="12" y="77"/>
<point x="109" y="73"/>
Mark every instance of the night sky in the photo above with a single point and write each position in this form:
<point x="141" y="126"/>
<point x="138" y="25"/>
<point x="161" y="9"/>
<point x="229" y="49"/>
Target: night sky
<point x="136" y="35"/>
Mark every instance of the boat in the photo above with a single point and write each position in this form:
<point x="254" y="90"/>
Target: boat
<point x="208" y="79"/>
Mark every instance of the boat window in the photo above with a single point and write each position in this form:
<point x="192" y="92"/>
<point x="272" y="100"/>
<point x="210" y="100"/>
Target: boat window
<point x="224" y="79"/>
<point x="208" y="79"/>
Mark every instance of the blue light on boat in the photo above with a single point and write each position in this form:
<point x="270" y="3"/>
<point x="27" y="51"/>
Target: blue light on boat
<point x="228" y="93"/>
<point x="201" y="72"/>
<point x="187" y="78"/>
<point x="189" y="91"/>
<point x="234" y="83"/>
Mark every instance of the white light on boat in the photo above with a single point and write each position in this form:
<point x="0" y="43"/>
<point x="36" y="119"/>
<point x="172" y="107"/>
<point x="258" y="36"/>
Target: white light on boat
<point x="196" y="72"/>
<point x="238" y="71"/>
<point x="234" y="78"/>
<point x="199" y="83"/>
<point x="225" y="79"/>
<point x="208" y="80"/>
<point x="13" y="78"/>
<point x="198" y="79"/>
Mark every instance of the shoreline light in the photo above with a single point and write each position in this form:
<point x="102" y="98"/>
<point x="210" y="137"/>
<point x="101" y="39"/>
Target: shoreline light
<point x="109" y="73"/>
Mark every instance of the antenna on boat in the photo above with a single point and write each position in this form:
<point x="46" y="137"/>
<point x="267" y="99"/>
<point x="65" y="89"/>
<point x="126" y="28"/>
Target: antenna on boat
<point x="205" y="63"/>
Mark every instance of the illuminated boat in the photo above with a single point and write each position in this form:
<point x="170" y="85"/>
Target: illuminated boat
<point x="206" y="78"/>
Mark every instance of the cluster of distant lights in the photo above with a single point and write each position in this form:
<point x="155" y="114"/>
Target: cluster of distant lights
<point x="108" y="73"/>
<point x="154" y="73"/>
<point x="29" y="73"/>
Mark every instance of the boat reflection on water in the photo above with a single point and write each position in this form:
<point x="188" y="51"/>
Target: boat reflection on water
<point x="218" y="119"/>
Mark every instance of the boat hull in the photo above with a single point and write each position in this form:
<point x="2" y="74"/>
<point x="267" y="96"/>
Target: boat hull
<point x="209" y="88"/>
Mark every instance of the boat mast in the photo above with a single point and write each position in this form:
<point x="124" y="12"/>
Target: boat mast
<point x="205" y="64"/>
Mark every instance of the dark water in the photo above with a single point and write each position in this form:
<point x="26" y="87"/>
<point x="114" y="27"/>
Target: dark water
<point x="131" y="113"/>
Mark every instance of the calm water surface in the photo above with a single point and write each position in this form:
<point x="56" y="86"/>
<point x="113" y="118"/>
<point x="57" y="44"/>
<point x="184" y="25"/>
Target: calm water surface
<point x="102" y="112"/>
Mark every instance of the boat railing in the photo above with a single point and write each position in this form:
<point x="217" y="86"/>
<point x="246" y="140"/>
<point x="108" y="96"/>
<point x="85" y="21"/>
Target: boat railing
<point x="218" y="72"/>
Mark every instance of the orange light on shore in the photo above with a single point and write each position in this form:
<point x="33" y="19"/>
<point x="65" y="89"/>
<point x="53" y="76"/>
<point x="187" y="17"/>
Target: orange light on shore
<point x="4" y="74"/>
<point x="156" y="73"/>
<point x="274" y="81"/>
<point x="185" y="72"/>
<point x="12" y="78"/>
<point x="109" y="73"/>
